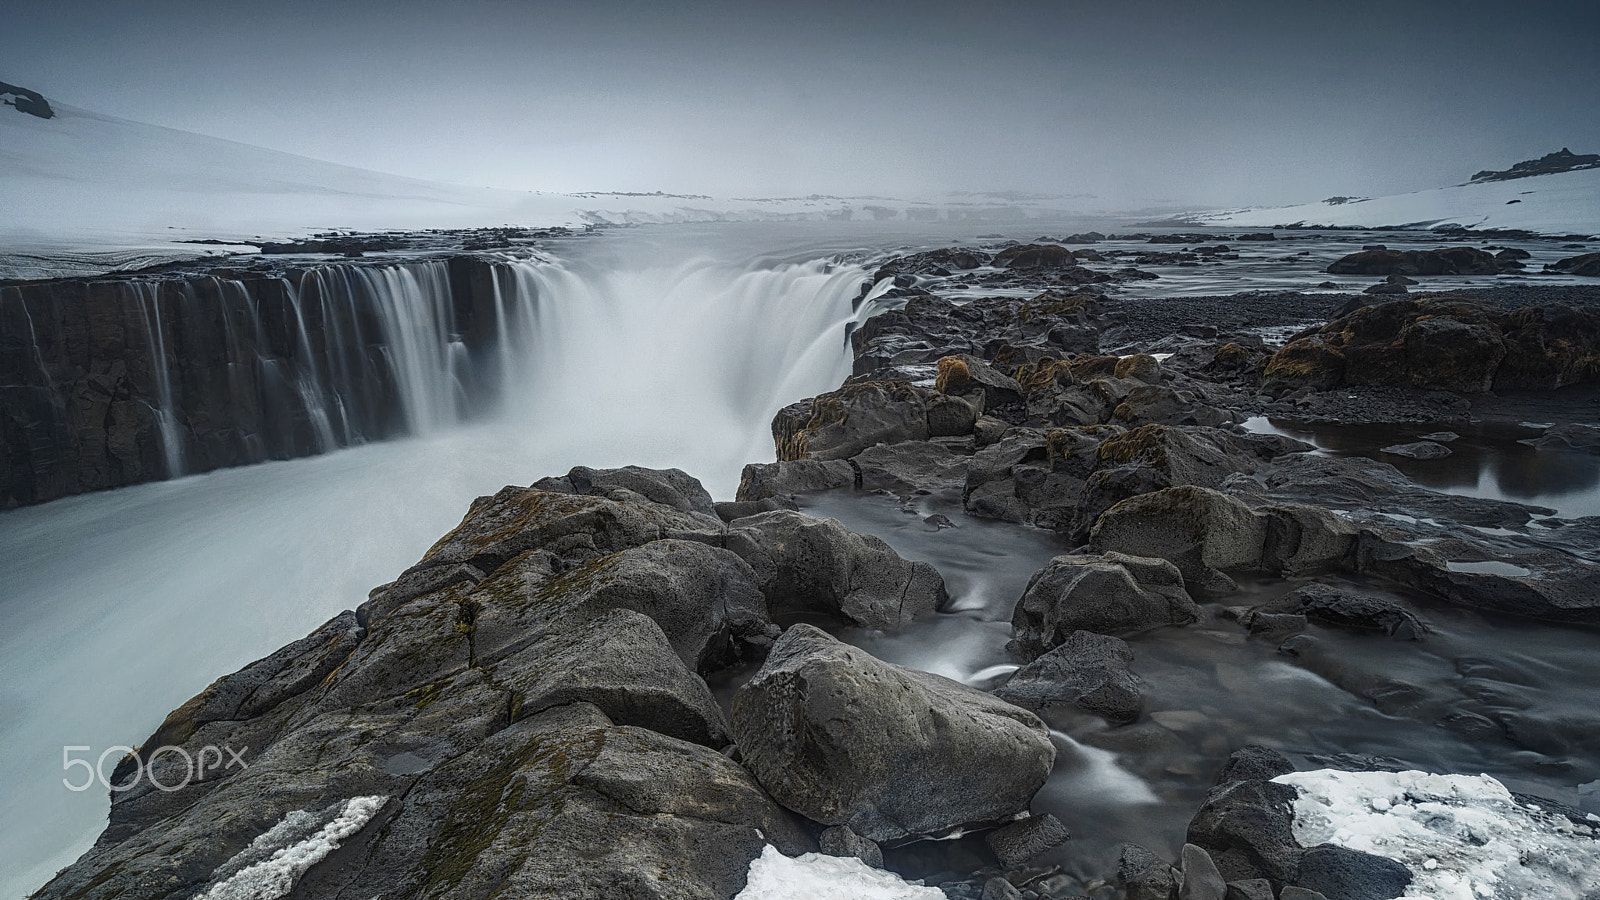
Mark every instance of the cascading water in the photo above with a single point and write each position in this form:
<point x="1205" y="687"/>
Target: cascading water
<point x="147" y="295"/>
<point x="664" y="363"/>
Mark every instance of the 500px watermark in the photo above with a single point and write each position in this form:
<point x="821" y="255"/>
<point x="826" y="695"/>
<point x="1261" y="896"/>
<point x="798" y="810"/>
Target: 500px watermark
<point x="195" y="766"/>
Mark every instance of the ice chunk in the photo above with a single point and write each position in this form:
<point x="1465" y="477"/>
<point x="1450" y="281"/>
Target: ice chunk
<point x="1463" y="837"/>
<point x="815" y="876"/>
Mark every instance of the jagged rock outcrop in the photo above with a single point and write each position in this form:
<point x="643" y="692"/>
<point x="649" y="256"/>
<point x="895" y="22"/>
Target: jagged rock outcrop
<point x="523" y="709"/>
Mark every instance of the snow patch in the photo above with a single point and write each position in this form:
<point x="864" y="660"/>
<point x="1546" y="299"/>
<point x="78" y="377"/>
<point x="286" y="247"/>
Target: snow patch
<point x="1463" y="837"/>
<point x="1554" y="204"/>
<point x="270" y="866"/>
<point x="815" y="876"/>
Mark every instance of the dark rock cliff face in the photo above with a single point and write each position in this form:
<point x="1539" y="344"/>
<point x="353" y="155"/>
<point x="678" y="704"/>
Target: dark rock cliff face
<point x="106" y="383"/>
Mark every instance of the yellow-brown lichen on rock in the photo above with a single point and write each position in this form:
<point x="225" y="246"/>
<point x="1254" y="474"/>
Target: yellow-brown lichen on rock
<point x="954" y="375"/>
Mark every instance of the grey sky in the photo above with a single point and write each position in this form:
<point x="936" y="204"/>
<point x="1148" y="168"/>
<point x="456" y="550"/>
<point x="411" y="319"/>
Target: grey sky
<point x="1137" y="103"/>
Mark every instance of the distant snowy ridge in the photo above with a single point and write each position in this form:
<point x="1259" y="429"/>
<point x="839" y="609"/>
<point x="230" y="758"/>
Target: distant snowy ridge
<point x="80" y="179"/>
<point x="1559" y="203"/>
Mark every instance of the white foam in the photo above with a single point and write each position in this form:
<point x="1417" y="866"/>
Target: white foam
<point x="1463" y="837"/>
<point x="815" y="876"/>
<point x="276" y="875"/>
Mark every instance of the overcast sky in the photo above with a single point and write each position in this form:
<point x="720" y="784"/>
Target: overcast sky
<point x="1136" y="103"/>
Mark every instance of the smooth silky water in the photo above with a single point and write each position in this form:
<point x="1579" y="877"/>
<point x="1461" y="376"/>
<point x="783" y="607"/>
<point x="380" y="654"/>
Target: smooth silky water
<point x="673" y="347"/>
<point x="1481" y="694"/>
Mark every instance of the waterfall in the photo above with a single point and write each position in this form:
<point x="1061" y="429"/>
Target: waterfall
<point x="668" y="360"/>
<point x="147" y="296"/>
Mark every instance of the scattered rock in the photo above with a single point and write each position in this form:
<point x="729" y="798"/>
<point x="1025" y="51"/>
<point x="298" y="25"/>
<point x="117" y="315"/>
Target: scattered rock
<point x="841" y="841"/>
<point x="1418" y="450"/>
<point x="1144" y="875"/>
<point x="1019" y="842"/>
<point x="1201" y="880"/>
<point x="1341" y="874"/>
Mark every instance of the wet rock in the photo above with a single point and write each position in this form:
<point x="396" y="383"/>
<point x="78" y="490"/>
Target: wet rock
<point x="1299" y="893"/>
<point x="1418" y="450"/>
<point x="785" y="478"/>
<point x="1445" y="344"/>
<point x="1253" y="762"/>
<point x="1569" y="437"/>
<point x="1548" y="347"/>
<point x="1246" y="827"/>
<point x="1251" y="889"/>
<point x="804" y="564"/>
<point x="965" y="374"/>
<point x="1016" y="844"/>
<point x="1201" y="880"/>
<point x="1200" y="531"/>
<point x="1587" y="264"/>
<point x="622" y="663"/>
<point x="1341" y="874"/>
<point x="1035" y="256"/>
<point x="1441" y="437"/>
<point x="998" y="888"/>
<point x="910" y="468"/>
<point x="1304" y="539"/>
<point x="846" y="739"/>
<point x="839" y="424"/>
<point x="1111" y="593"/>
<point x="841" y="841"/>
<point x="1144" y="875"/>
<point x="1450" y="261"/>
<point x="728" y="510"/>
<point x="1387" y="289"/>
<point x="1087" y="670"/>
<point x="669" y="487"/>
<point x="1343" y="609"/>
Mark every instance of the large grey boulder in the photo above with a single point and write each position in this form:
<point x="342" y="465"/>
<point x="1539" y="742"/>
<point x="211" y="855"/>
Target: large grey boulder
<point x="805" y="564"/>
<point x="761" y="481"/>
<point x="1110" y="593"/>
<point x="842" y="423"/>
<point x="846" y="739"/>
<point x="1087" y="670"/>
<point x="1202" y="532"/>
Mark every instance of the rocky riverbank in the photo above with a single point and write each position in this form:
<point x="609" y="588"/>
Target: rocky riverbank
<point x="527" y="707"/>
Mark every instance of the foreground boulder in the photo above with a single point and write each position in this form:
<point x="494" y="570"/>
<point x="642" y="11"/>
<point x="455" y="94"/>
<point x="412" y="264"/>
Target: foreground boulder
<point x="893" y="753"/>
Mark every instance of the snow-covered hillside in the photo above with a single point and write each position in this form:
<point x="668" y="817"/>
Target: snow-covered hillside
<point x="122" y="191"/>
<point x="1562" y="203"/>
